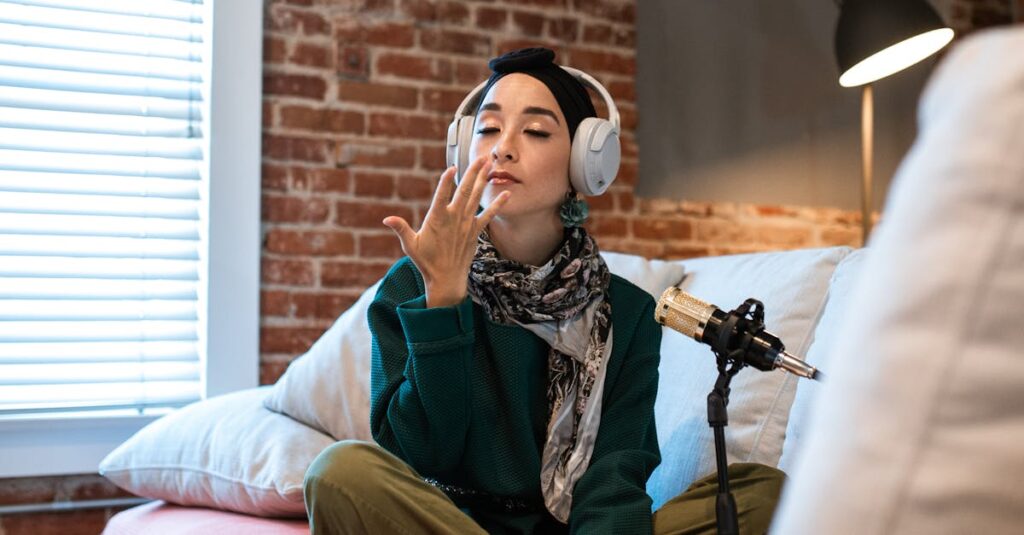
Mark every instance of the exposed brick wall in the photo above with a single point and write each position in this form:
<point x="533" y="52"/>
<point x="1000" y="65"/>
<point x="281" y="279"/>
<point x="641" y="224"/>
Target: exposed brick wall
<point x="357" y="97"/>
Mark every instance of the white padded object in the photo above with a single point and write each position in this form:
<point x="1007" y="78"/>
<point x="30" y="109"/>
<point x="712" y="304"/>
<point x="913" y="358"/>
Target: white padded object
<point x="919" y="429"/>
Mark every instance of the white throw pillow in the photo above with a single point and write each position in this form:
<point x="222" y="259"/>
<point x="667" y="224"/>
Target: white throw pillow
<point x="920" y="426"/>
<point x="793" y="287"/>
<point x="328" y="387"/>
<point x="226" y="452"/>
<point x="840" y="292"/>
<point x="653" y="276"/>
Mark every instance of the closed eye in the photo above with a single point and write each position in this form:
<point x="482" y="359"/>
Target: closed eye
<point x="537" y="133"/>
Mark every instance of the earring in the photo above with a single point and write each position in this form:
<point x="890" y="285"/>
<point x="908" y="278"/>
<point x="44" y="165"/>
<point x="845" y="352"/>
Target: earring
<point x="574" y="209"/>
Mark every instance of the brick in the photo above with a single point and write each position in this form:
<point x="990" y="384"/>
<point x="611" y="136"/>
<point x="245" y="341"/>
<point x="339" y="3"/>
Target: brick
<point x="407" y="126"/>
<point x="282" y="209"/>
<point x="509" y="45"/>
<point x="381" y="185"/>
<point x="56" y="523"/>
<point x="376" y="155"/>
<point x="294" y="148"/>
<point x="287" y="340"/>
<point x="353" y="31"/>
<point x="471" y="72"/>
<point x="489" y="18"/>
<point x="324" y="180"/>
<point x="612" y="10"/>
<point x="628" y="171"/>
<point x="296" y="85"/>
<point x="353" y="62"/>
<point x="563" y="29"/>
<point x="543" y="3"/>
<point x="529" y="24"/>
<point x="320" y="119"/>
<point x="622" y="91"/>
<point x="363" y="215"/>
<point x="784" y="236"/>
<point x="374" y="93"/>
<point x="629" y="146"/>
<point x="775" y="211"/>
<point x="442" y="100"/>
<point x="291" y="272"/>
<point x="274" y="50"/>
<point x="28" y="490"/>
<point x="679" y="251"/>
<point x="725" y="231"/>
<point x="434" y="11"/>
<point x="434" y="157"/>
<point x="271" y="371"/>
<point x="610" y="226"/>
<point x="841" y="236"/>
<point x="274" y="303"/>
<point x="290" y="20"/>
<point x="624" y="201"/>
<point x="90" y="487"/>
<point x="593" y="61"/>
<point x="311" y="55"/>
<point x="415" y="67"/>
<point x="598" y="33"/>
<point x="415" y="188"/>
<point x="266" y="116"/>
<point x="310" y="243"/>
<point x="601" y="203"/>
<point x="455" y="42"/>
<point x="659" y="228"/>
<point x="627" y="116"/>
<point x="332" y="305"/>
<point x="274" y="177"/>
<point x="380" y="246"/>
<point x="351" y="274"/>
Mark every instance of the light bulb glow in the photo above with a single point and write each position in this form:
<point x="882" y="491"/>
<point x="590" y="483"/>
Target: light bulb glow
<point x="896" y="57"/>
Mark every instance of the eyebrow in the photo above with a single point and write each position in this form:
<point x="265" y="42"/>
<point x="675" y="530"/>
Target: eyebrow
<point x="536" y="110"/>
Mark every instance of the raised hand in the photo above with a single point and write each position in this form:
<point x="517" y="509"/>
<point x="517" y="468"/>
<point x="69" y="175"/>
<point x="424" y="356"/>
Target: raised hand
<point x="444" y="246"/>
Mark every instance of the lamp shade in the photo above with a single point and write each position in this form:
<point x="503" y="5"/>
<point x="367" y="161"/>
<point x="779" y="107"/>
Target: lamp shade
<point x="876" y="38"/>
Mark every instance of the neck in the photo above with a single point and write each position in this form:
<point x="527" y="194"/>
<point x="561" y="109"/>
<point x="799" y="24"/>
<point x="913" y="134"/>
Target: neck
<point x="529" y="241"/>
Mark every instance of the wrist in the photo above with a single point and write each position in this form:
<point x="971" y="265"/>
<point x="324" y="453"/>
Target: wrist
<point x="444" y="297"/>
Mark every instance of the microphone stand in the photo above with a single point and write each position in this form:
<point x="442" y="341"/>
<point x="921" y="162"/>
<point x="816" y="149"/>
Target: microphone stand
<point x="718" y="399"/>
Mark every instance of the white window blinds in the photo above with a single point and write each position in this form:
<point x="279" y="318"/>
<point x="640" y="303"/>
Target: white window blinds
<point x="101" y="169"/>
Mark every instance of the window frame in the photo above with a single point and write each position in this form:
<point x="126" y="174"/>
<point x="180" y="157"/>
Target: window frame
<point x="40" y="445"/>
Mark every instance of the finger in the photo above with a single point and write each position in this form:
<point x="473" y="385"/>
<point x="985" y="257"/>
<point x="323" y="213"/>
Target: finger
<point x="402" y="229"/>
<point x="465" y="189"/>
<point x="488" y="214"/>
<point x="480" y="184"/>
<point x="445" y="186"/>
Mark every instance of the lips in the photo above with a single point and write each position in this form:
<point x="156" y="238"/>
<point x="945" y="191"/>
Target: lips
<point x="501" y="177"/>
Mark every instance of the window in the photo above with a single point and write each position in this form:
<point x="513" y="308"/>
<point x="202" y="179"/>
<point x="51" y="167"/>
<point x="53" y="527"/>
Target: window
<point x="129" y="219"/>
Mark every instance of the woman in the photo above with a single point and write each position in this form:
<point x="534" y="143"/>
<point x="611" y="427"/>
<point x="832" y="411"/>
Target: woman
<point x="513" y="378"/>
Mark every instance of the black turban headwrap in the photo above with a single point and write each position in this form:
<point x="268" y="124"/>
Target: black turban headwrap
<point x="571" y="95"/>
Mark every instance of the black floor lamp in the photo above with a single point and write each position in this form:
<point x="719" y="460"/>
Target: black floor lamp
<point x="874" y="39"/>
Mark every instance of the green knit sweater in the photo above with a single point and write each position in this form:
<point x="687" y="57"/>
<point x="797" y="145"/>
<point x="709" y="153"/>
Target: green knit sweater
<point x="463" y="400"/>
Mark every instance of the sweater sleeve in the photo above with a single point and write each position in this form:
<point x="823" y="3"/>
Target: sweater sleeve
<point x="419" y="389"/>
<point x="611" y="497"/>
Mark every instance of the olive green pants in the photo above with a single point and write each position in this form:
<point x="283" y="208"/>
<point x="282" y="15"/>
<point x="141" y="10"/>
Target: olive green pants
<point x="358" y="487"/>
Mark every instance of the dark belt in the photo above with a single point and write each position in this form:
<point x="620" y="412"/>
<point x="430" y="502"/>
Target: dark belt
<point x="475" y="499"/>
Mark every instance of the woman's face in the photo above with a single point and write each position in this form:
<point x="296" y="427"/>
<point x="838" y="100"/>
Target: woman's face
<point x="521" y="128"/>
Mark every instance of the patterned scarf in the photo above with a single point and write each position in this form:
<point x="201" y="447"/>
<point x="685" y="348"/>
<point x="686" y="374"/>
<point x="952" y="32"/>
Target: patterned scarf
<point x="565" y="303"/>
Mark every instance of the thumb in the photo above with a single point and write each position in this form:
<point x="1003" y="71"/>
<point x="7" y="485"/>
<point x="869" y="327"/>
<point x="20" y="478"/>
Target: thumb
<point x="402" y="229"/>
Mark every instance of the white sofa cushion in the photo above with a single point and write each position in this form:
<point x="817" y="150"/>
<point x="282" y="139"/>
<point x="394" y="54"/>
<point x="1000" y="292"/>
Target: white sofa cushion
<point x="920" y="426"/>
<point x="226" y="452"/>
<point x="793" y="286"/>
<point x="328" y="387"/>
<point x="840" y="291"/>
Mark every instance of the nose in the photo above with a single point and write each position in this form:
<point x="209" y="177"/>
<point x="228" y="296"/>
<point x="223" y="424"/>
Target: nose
<point x="503" y="149"/>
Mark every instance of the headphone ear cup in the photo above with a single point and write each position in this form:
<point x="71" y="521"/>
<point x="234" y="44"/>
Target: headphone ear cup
<point x="594" y="157"/>
<point x="465" y="133"/>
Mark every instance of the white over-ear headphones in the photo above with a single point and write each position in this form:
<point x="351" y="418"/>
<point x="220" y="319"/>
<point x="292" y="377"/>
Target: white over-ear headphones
<point x="593" y="158"/>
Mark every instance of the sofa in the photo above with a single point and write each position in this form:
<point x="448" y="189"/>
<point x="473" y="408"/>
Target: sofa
<point x="901" y="437"/>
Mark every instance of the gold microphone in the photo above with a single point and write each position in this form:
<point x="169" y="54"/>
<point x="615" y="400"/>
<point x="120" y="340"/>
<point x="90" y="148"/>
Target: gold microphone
<point x="728" y="331"/>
